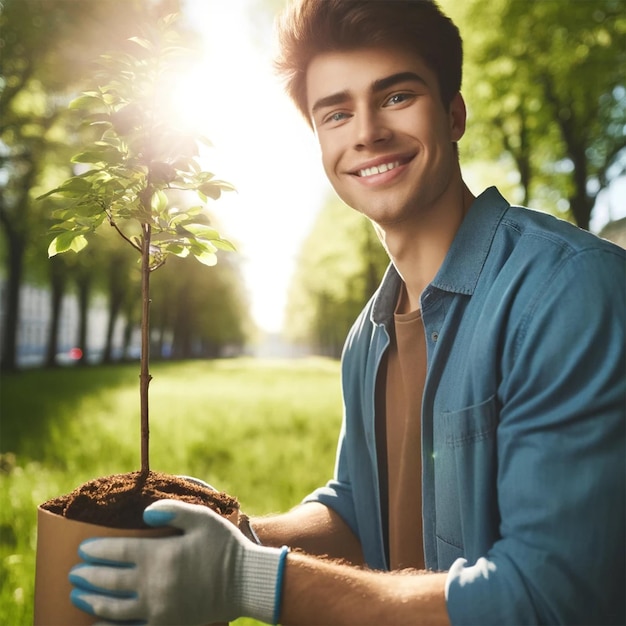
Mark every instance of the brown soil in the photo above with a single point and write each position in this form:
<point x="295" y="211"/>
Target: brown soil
<point x="118" y="501"/>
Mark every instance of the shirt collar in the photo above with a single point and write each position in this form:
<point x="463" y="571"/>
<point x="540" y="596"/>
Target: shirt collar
<point x="464" y="261"/>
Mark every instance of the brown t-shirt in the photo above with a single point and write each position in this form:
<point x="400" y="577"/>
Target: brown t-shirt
<point x="399" y="410"/>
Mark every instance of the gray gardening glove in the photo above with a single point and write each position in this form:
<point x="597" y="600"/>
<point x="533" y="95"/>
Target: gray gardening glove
<point x="244" y="521"/>
<point x="209" y="573"/>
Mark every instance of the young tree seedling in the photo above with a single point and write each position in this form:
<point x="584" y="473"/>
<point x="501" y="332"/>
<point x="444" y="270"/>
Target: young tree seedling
<point x="139" y="159"/>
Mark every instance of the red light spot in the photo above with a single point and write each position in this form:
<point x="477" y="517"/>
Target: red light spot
<point x="76" y="354"/>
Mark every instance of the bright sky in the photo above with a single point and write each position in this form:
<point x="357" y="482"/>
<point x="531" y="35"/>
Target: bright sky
<point x="261" y="145"/>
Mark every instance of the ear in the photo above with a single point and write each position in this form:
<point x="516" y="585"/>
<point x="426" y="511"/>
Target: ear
<point x="458" y="117"/>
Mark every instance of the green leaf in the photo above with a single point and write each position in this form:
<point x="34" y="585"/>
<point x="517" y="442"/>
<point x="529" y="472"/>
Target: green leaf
<point x="198" y="246"/>
<point x="53" y="248"/>
<point x="206" y="258"/>
<point x="86" y="101"/>
<point x="214" y="188"/>
<point x="201" y="231"/>
<point x="78" y="243"/>
<point x="159" y="201"/>
<point x="224" y="244"/>
<point x="100" y="154"/>
<point x="192" y="215"/>
<point x="211" y="190"/>
<point x="178" y="250"/>
<point x="67" y="241"/>
<point x="74" y="187"/>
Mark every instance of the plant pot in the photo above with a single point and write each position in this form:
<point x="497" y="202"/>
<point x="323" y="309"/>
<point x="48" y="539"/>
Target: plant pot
<point x="58" y="539"/>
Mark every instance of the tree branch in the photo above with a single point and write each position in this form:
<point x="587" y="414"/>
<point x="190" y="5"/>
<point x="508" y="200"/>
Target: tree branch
<point x="120" y="231"/>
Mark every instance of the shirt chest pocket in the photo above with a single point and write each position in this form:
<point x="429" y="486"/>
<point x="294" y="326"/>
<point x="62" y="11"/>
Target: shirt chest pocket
<point x="465" y="464"/>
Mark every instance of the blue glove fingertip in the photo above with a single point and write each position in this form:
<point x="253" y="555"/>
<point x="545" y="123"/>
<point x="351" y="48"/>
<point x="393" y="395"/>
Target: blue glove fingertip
<point x="77" y="598"/>
<point x="158" y="518"/>
<point x="77" y="580"/>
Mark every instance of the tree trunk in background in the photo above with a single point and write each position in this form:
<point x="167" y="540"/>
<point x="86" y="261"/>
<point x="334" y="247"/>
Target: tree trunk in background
<point x="84" y="288"/>
<point x="117" y="293"/>
<point x="16" y="247"/>
<point x="58" y="281"/>
<point x="581" y="203"/>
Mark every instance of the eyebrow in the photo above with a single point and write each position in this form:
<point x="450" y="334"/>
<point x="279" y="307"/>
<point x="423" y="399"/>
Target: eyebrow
<point x="378" y="85"/>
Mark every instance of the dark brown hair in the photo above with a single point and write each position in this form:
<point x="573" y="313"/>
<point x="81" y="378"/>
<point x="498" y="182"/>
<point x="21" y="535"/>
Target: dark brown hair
<point x="310" y="27"/>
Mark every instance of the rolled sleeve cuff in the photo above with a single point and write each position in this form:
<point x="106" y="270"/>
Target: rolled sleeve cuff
<point x="338" y="501"/>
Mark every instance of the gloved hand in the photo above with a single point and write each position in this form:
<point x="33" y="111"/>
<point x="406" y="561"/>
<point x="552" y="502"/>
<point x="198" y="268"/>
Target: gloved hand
<point x="209" y="573"/>
<point x="244" y="521"/>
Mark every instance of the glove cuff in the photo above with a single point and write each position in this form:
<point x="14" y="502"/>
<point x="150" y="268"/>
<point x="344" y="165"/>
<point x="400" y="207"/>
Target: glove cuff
<point x="262" y="582"/>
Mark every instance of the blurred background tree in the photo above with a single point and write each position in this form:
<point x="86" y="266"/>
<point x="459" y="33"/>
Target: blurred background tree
<point x="340" y="265"/>
<point x="48" y="48"/>
<point x="546" y="90"/>
<point x="196" y="313"/>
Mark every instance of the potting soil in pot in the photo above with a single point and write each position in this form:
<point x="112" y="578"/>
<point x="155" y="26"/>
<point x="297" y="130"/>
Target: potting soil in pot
<point x="119" y="500"/>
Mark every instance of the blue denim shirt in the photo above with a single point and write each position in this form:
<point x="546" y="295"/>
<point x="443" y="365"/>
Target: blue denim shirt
<point x="523" y="421"/>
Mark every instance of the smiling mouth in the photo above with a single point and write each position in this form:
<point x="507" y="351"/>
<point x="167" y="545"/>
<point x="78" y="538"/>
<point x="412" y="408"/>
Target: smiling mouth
<point x="380" y="169"/>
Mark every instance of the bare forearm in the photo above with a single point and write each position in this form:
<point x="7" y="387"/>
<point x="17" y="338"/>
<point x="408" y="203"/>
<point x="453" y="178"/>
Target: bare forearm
<point x="321" y="591"/>
<point x="313" y="528"/>
<point x="343" y="594"/>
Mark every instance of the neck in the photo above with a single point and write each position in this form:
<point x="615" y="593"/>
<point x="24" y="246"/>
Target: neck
<point x="418" y="249"/>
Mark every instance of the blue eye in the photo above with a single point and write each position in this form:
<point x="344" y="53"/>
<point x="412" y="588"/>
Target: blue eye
<point x="398" y="98"/>
<point x="337" y="117"/>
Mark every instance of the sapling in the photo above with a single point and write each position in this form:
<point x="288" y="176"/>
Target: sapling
<point x="139" y="160"/>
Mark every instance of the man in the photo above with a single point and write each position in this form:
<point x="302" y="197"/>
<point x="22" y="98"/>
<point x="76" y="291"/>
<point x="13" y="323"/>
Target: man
<point x="482" y="452"/>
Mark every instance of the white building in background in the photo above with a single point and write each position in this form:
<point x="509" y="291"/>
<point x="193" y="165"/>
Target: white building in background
<point x="34" y="322"/>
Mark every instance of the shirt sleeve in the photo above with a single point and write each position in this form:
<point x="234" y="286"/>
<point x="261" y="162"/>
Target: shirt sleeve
<point x="337" y="493"/>
<point x="561" y="459"/>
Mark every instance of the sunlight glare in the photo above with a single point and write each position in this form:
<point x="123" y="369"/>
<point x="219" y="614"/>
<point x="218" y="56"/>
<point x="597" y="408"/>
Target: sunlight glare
<point x="260" y="145"/>
<point x="188" y="101"/>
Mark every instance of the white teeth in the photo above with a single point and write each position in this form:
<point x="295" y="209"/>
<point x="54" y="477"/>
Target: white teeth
<point x="378" y="169"/>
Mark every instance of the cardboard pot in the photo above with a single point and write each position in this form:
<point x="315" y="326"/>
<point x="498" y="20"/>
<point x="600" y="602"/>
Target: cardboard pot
<point x="58" y="539"/>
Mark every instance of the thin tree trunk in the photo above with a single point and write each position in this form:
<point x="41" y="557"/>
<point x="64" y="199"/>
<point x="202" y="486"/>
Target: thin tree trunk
<point x="144" y="377"/>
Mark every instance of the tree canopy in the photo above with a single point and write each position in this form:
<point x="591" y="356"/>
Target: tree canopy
<point x="545" y="86"/>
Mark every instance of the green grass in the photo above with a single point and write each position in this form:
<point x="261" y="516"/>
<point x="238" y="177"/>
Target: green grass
<point x="264" y="431"/>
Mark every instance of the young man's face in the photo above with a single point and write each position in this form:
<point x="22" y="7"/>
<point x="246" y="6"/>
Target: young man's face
<point x="385" y="136"/>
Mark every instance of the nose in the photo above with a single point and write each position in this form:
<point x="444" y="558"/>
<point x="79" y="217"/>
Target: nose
<point x="370" y="128"/>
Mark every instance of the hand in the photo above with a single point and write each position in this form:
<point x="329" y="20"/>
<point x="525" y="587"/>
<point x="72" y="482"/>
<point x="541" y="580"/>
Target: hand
<point x="209" y="573"/>
<point x="244" y="521"/>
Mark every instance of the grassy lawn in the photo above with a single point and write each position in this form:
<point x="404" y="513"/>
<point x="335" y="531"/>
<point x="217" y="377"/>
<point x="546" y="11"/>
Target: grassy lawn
<point x="264" y="431"/>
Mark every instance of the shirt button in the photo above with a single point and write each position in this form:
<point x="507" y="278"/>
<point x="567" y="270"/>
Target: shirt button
<point x="434" y="336"/>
